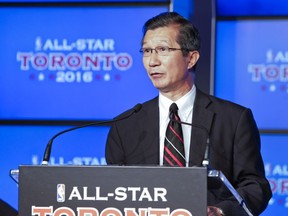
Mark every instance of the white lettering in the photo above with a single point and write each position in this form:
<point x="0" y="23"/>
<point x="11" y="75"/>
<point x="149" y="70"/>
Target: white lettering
<point x="98" y="196"/>
<point x="145" y="195"/>
<point x="120" y="193"/>
<point x="160" y="193"/>
<point x="85" y="194"/>
<point x="74" y="61"/>
<point x="75" y="194"/>
<point x="134" y="192"/>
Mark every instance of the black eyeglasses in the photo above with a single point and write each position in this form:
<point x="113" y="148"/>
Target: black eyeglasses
<point x="160" y="50"/>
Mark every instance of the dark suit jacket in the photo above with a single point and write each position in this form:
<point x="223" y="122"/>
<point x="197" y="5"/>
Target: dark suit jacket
<point x="234" y="140"/>
<point x="6" y="209"/>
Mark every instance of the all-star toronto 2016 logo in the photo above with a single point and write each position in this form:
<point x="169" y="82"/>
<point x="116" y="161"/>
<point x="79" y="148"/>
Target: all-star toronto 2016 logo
<point x="273" y="74"/>
<point x="80" y="61"/>
<point x="156" y="194"/>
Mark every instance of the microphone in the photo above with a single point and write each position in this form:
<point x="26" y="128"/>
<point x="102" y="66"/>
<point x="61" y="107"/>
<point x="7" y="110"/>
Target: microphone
<point x="206" y="160"/>
<point x="48" y="149"/>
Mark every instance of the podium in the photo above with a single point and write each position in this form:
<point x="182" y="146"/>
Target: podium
<point x="112" y="191"/>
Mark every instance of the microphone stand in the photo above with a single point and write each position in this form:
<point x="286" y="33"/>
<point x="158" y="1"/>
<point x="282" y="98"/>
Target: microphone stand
<point x="48" y="149"/>
<point x="205" y="162"/>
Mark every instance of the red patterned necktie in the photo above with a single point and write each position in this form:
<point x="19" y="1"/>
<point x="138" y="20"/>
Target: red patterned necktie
<point x="173" y="143"/>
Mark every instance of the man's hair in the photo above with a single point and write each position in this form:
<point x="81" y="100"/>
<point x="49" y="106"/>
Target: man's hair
<point x="188" y="36"/>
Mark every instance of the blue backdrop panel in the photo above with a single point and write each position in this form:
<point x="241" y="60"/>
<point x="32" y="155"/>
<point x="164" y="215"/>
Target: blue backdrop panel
<point x="251" y="68"/>
<point x="274" y="151"/>
<point x="68" y="62"/>
<point x="252" y="8"/>
<point x="26" y="145"/>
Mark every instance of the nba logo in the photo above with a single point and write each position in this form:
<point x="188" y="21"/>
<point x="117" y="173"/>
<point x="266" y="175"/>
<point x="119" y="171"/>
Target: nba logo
<point x="60" y="193"/>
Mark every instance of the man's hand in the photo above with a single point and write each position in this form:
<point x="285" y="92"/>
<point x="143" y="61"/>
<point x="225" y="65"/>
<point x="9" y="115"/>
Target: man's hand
<point x="214" y="211"/>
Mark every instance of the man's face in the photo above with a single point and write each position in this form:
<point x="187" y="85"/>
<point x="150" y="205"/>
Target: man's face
<point x="168" y="73"/>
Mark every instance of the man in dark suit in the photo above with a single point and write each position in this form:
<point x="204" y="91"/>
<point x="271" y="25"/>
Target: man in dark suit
<point x="170" y="48"/>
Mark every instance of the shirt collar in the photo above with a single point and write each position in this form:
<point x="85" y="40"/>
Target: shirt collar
<point x="185" y="104"/>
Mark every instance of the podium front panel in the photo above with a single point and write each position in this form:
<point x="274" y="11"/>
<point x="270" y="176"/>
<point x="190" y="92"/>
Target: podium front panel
<point x="112" y="191"/>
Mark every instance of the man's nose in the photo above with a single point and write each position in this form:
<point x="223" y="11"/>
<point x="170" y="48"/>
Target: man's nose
<point x="154" y="59"/>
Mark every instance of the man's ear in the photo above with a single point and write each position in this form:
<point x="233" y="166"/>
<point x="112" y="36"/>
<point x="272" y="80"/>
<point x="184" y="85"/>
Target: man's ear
<point x="193" y="58"/>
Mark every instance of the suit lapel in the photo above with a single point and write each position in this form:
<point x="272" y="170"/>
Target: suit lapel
<point x="150" y="142"/>
<point x="204" y="118"/>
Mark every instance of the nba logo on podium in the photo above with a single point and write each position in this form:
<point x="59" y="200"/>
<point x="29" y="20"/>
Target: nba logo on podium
<point x="60" y="193"/>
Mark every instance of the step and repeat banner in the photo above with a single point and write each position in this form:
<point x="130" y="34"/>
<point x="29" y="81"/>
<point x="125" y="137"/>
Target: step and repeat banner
<point x="252" y="68"/>
<point x="77" y="62"/>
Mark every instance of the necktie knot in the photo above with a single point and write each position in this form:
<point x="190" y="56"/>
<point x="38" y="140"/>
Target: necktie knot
<point x="173" y="110"/>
